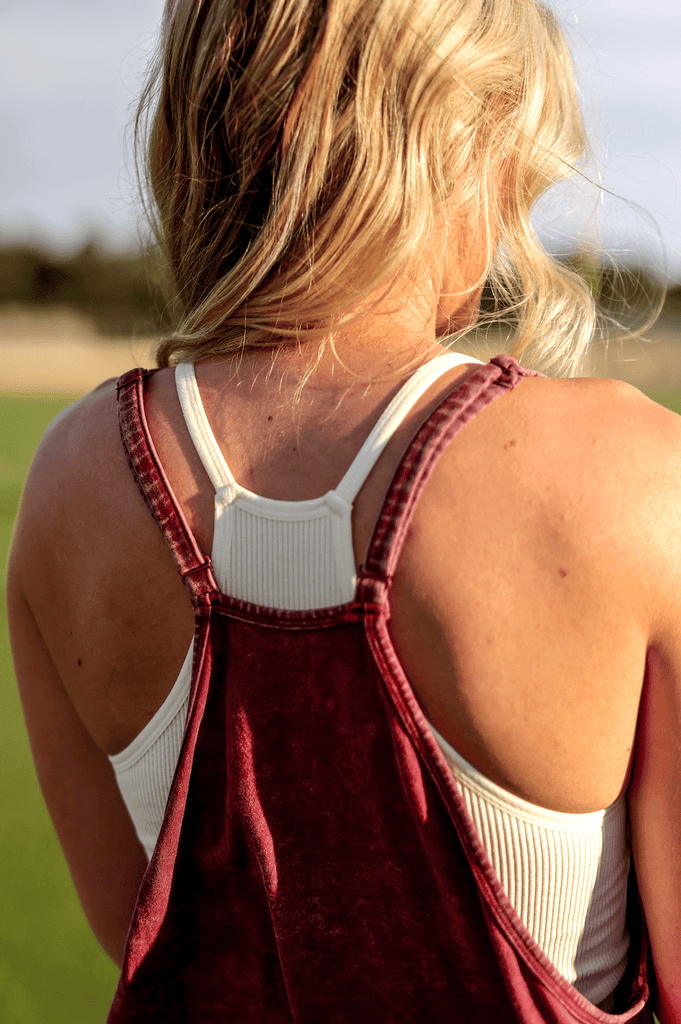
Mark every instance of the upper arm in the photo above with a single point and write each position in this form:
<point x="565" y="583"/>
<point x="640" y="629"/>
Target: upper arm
<point x="655" y="817"/>
<point x="104" y="855"/>
<point x="654" y="791"/>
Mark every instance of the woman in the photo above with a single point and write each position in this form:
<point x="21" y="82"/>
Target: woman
<point x="420" y="804"/>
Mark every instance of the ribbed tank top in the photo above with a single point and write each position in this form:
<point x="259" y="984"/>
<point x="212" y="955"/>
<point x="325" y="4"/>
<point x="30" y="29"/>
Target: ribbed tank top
<point x="565" y="874"/>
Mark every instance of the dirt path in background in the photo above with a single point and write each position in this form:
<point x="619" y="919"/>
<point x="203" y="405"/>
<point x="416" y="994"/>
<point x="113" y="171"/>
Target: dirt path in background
<point x="61" y="351"/>
<point x="649" y="365"/>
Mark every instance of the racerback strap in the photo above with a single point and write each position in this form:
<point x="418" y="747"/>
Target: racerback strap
<point x="465" y="401"/>
<point x="220" y="474"/>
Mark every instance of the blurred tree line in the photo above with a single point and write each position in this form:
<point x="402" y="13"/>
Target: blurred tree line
<point x="628" y="297"/>
<point x="125" y="294"/>
<point x="122" y="294"/>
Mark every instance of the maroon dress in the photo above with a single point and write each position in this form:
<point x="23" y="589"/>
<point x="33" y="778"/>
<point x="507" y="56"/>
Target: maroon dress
<point x="316" y="862"/>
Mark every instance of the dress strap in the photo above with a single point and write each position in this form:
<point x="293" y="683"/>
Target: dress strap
<point x="195" y="568"/>
<point x="391" y="418"/>
<point x="466" y="400"/>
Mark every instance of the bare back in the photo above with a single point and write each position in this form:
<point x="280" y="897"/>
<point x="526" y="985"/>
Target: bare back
<point x="536" y="580"/>
<point x="512" y="607"/>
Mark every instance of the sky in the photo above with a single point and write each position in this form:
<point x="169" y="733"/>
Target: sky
<point x="70" y="69"/>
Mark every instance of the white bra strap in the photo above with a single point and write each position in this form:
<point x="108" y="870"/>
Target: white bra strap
<point x="199" y="428"/>
<point x="391" y="418"/>
<point x="214" y="461"/>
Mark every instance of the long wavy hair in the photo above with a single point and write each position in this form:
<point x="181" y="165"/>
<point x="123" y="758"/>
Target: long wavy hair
<point x="300" y="154"/>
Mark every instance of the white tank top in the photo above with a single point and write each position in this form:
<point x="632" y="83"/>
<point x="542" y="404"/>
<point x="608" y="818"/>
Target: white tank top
<point x="565" y="874"/>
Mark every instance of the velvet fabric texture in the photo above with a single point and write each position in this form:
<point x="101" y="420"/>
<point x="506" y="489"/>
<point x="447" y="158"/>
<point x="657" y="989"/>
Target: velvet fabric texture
<point x="317" y="863"/>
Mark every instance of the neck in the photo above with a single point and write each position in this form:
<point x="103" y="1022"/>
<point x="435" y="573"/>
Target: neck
<point x="381" y="343"/>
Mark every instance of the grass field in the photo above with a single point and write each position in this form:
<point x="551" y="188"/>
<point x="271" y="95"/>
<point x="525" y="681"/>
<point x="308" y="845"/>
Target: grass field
<point x="51" y="969"/>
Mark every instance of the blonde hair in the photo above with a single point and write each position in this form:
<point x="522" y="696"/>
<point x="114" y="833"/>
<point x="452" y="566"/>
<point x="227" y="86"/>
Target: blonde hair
<point x="301" y="153"/>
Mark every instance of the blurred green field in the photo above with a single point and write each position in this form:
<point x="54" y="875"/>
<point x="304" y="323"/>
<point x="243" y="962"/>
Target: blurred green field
<point x="51" y="969"/>
<point x="669" y="398"/>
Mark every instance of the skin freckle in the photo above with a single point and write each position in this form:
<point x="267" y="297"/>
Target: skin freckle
<point x="80" y="661"/>
<point x="511" y="444"/>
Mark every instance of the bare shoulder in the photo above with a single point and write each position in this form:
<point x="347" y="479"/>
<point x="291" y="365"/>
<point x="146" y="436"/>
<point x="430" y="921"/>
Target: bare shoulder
<point x="601" y="399"/>
<point x="585" y="432"/>
<point x="81" y="492"/>
<point x="90" y="564"/>
<point x="80" y="483"/>
<point x="582" y="469"/>
<point x="78" y="489"/>
<point x="599" y="458"/>
<point x="76" y="433"/>
<point x="73" y="447"/>
<point x="595" y="412"/>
